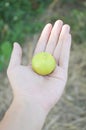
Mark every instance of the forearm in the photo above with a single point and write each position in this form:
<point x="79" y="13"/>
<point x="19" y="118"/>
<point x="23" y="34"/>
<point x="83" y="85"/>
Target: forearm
<point x="23" y="116"/>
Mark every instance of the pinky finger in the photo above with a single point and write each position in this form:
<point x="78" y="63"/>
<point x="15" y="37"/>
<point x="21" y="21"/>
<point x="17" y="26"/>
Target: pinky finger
<point x="65" y="52"/>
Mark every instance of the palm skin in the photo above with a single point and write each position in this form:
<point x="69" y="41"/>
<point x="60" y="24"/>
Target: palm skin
<point x="42" y="90"/>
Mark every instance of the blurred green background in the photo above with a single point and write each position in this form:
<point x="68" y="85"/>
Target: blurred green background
<point x="18" y="19"/>
<point x="22" y="21"/>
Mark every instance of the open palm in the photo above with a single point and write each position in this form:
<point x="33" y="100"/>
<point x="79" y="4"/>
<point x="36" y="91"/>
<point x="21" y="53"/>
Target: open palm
<point x="44" y="90"/>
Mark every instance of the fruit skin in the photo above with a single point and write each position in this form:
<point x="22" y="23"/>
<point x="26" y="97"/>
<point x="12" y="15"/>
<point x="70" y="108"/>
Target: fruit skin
<point x="43" y="63"/>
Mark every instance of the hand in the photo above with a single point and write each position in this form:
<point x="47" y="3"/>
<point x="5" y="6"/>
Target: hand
<point x="43" y="90"/>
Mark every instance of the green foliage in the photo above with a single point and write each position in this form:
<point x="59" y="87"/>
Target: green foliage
<point x="18" y="17"/>
<point x="76" y="19"/>
<point x="17" y="20"/>
<point x="78" y="25"/>
<point x="73" y="2"/>
<point x="74" y="16"/>
<point x="5" y="51"/>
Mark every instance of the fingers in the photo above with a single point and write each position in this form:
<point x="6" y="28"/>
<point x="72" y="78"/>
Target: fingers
<point x="54" y="36"/>
<point x="65" y="30"/>
<point x="16" y="55"/>
<point x="65" y="52"/>
<point x="43" y="39"/>
<point x="57" y="42"/>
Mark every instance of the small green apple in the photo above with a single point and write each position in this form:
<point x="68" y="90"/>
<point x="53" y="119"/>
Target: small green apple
<point x="43" y="63"/>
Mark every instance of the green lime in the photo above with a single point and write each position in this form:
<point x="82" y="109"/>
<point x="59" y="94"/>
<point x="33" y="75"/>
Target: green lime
<point x="43" y="63"/>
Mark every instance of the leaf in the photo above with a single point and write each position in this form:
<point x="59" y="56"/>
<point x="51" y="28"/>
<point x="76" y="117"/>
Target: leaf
<point x="6" y="49"/>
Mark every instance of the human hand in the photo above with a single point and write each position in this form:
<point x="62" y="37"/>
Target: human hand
<point x="42" y="90"/>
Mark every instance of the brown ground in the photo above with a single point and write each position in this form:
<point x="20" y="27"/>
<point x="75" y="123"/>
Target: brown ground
<point x="70" y="112"/>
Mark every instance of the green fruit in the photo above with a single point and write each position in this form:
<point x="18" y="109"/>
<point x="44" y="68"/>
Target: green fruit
<point x="43" y="63"/>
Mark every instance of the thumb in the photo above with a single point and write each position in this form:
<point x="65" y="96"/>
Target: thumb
<point x="16" y="56"/>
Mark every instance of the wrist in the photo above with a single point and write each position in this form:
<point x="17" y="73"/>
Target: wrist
<point x="32" y="114"/>
<point x="23" y="115"/>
